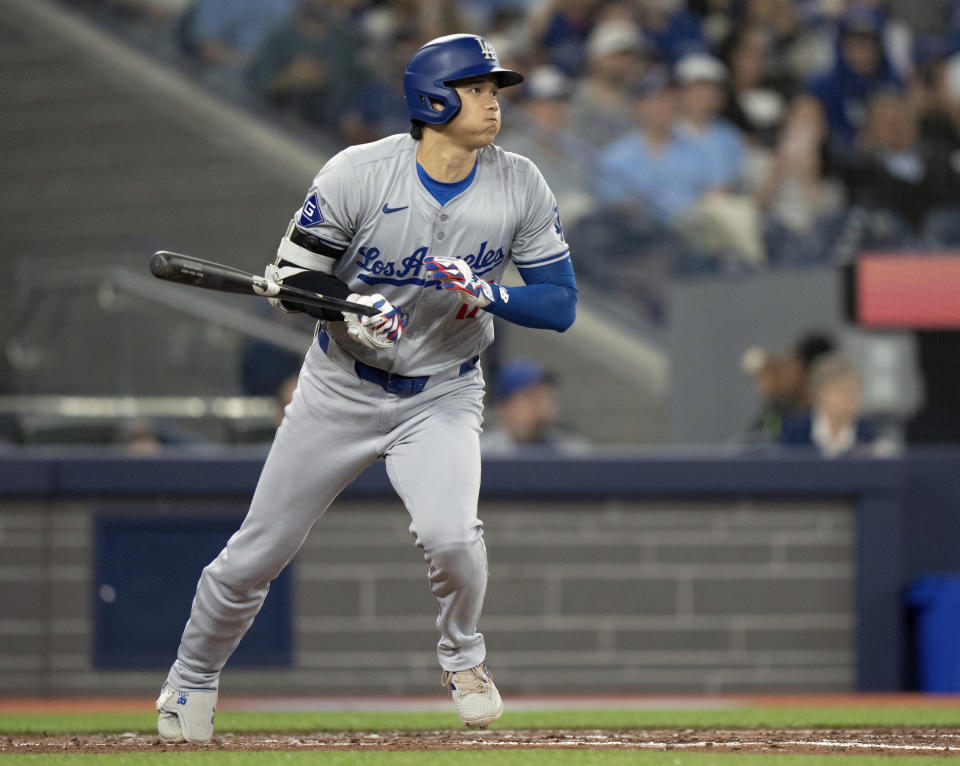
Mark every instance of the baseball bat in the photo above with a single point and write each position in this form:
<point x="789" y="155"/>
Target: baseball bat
<point x="187" y="270"/>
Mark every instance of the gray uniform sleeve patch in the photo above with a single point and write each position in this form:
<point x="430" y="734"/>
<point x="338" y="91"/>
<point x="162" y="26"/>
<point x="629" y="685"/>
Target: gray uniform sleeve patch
<point x="325" y="213"/>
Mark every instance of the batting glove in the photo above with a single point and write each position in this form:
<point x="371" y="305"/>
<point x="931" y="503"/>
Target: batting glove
<point x="455" y="274"/>
<point x="274" y="273"/>
<point x="380" y="330"/>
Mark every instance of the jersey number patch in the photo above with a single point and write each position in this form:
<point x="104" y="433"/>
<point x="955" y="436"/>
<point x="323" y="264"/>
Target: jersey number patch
<point x="467" y="311"/>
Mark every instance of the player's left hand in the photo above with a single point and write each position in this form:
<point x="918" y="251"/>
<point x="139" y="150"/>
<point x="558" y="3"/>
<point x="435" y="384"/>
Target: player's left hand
<point x="455" y="274"/>
<point x="380" y="330"/>
<point x="274" y="273"/>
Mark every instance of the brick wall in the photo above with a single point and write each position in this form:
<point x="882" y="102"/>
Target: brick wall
<point x="634" y="597"/>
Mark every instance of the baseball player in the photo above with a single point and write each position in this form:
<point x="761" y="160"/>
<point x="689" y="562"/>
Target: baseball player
<point x="421" y="227"/>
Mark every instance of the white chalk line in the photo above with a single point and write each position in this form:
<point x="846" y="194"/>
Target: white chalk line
<point x="652" y="745"/>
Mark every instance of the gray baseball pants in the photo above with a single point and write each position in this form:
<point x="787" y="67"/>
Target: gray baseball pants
<point x="334" y="427"/>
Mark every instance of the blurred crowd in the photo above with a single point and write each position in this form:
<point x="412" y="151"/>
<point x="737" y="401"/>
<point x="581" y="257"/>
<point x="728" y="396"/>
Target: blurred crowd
<point x="810" y="395"/>
<point x="681" y="136"/>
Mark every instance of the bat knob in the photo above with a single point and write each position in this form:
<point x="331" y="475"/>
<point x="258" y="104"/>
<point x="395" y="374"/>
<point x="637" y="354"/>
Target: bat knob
<point x="160" y="265"/>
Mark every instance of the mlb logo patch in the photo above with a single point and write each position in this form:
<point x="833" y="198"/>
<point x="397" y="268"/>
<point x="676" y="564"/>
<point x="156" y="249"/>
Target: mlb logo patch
<point x="310" y="213"/>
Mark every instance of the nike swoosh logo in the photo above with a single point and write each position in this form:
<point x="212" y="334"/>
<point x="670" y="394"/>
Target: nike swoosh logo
<point x="387" y="209"/>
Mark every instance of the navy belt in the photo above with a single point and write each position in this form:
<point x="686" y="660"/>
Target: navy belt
<point x="402" y="385"/>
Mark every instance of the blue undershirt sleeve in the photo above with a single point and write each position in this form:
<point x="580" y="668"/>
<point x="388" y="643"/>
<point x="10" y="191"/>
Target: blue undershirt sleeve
<point x="546" y="301"/>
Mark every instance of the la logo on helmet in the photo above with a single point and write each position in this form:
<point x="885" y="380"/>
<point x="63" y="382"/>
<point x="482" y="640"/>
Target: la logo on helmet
<point x="486" y="49"/>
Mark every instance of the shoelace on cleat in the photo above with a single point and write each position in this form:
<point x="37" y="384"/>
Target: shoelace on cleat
<point x="165" y="694"/>
<point x="472" y="681"/>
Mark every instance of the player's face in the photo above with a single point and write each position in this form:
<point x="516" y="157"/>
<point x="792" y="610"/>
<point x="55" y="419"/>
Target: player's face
<point x="478" y="121"/>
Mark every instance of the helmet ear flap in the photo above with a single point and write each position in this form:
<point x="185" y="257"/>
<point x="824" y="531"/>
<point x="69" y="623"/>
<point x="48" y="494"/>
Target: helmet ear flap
<point x="425" y="95"/>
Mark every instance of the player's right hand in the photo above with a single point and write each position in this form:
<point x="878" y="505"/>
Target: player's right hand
<point x="454" y="274"/>
<point x="380" y="330"/>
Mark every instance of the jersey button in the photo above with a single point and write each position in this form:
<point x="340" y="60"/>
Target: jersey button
<point x="444" y="217"/>
<point x="440" y="235"/>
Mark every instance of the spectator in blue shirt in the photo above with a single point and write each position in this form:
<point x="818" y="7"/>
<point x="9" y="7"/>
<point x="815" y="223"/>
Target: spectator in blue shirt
<point x="654" y="166"/>
<point x="229" y="31"/>
<point x="702" y="79"/>
<point x="860" y="70"/>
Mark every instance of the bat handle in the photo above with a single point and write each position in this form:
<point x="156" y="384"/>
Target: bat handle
<point x="265" y="287"/>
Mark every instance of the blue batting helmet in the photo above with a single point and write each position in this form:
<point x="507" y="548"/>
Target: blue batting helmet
<point x="442" y="61"/>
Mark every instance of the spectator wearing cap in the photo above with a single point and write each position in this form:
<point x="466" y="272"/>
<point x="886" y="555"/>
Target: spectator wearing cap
<point x="600" y="106"/>
<point x="727" y="222"/>
<point x="861" y="69"/>
<point x="545" y="96"/>
<point x="653" y="166"/>
<point x="526" y="408"/>
<point x="702" y="80"/>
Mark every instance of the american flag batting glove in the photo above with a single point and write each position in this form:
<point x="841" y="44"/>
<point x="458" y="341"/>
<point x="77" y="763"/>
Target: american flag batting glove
<point x="380" y="330"/>
<point x="390" y="322"/>
<point x="455" y="274"/>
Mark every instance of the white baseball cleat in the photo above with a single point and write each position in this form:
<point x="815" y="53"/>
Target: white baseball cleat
<point x="185" y="716"/>
<point x="477" y="699"/>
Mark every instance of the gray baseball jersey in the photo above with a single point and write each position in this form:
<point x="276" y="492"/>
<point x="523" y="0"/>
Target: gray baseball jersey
<point x="370" y="200"/>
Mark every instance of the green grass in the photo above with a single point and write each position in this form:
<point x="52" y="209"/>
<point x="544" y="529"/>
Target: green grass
<point x="461" y="758"/>
<point x="733" y="718"/>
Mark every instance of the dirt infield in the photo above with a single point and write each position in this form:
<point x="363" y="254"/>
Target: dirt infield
<point x="944" y="741"/>
<point x="890" y="742"/>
